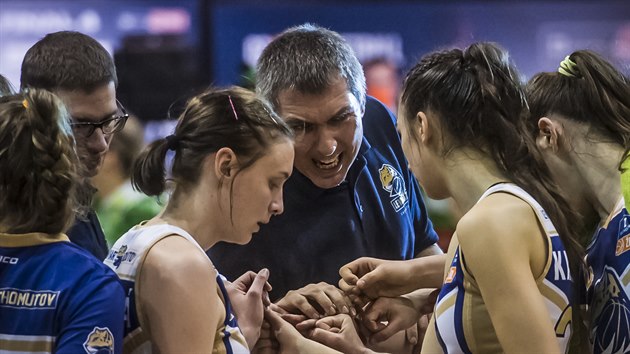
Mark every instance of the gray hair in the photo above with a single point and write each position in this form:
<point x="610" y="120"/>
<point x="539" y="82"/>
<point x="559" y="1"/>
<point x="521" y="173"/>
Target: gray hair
<point x="308" y="58"/>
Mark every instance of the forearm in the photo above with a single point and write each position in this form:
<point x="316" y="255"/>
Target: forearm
<point x="434" y="249"/>
<point x="427" y="271"/>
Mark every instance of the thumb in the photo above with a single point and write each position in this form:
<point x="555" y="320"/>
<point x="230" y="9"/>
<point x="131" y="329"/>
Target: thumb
<point x="259" y="282"/>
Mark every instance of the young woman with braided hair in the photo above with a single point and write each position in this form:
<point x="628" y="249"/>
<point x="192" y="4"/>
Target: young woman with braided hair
<point x="54" y="296"/>
<point x="580" y="116"/>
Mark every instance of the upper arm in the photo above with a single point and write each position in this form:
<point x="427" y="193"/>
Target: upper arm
<point x="500" y="246"/>
<point x="178" y="292"/>
<point x="96" y="317"/>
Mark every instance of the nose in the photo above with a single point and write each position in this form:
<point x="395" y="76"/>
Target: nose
<point x="98" y="142"/>
<point x="277" y="205"/>
<point x="326" y="142"/>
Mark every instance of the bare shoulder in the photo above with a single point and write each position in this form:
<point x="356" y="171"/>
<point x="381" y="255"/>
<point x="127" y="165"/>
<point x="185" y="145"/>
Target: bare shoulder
<point x="500" y="221"/>
<point x="178" y="260"/>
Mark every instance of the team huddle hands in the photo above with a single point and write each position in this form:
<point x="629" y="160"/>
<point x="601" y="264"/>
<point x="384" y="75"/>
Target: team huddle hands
<point x="376" y="299"/>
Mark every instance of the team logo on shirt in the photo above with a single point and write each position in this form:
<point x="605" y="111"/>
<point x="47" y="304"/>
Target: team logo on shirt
<point x="393" y="183"/>
<point x="99" y="341"/>
<point x="611" y="311"/>
<point x="623" y="238"/>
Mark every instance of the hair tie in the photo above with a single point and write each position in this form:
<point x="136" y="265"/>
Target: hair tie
<point x="569" y="68"/>
<point x="172" y="142"/>
<point x="25" y="103"/>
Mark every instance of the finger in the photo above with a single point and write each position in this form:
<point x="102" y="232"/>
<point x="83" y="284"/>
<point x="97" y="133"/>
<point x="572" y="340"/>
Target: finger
<point x="411" y="334"/>
<point x="256" y="288"/>
<point x="332" y="321"/>
<point x="245" y="279"/>
<point x="306" y="325"/>
<point x="323" y="300"/>
<point x="277" y="309"/>
<point x="296" y="302"/>
<point x="347" y="273"/>
<point x="346" y="287"/>
<point x="294" y="319"/>
<point x="385" y="333"/>
<point x="341" y="302"/>
<point x="280" y="326"/>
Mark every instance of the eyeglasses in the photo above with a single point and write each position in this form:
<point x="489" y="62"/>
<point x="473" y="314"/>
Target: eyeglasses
<point x="108" y="126"/>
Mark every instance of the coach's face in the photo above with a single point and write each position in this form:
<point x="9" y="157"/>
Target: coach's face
<point x="91" y="107"/>
<point x="328" y="128"/>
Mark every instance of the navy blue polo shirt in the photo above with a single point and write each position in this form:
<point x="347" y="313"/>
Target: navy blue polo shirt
<point x="377" y="212"/>
<point x="88" y="234"/>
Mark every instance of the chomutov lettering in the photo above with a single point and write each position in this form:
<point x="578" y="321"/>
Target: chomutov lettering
<point x="44" y="299"/>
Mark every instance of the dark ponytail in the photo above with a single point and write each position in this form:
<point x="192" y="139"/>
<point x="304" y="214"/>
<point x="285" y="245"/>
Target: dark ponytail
<point x="478" y="96"/>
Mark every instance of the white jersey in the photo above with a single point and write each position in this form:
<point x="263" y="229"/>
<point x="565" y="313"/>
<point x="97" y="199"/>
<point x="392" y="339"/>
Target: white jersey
<point x="127" y="257"/>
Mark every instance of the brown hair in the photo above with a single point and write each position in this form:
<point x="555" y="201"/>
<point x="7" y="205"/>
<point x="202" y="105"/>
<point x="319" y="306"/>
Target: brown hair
<point x="477" y="94"/>
<point x="38" y="164"/>
<point x="235" y="118"/>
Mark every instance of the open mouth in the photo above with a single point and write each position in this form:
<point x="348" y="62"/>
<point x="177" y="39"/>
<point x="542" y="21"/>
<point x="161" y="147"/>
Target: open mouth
<point x="329" y="163"/>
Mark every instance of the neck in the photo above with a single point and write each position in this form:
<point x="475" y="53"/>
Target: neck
<point x="599" y="169"/>
<point x="191" y="212"/>
<point x="481" y="173"/>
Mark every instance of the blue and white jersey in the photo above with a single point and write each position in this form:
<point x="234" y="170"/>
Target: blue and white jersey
<point x="55" y="297"/>
<point x="126" y="259"/>
<point x="463" y="324"/>
<point x="608" y="288"/>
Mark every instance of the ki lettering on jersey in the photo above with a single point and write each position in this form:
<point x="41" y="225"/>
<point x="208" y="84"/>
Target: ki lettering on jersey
<point x="392" y="182"/>
<point x="561" y="266"/>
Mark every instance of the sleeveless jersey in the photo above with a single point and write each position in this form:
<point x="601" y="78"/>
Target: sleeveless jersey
<point x="126" y="258"/>
<point x="608" y="288"/>
<point x="463" y="324"/>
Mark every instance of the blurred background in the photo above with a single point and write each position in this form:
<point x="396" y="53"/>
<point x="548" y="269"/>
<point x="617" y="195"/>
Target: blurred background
<point x="166" y="50"/>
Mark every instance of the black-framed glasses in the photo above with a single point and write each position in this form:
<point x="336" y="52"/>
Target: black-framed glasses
<point x="108" y="126"/>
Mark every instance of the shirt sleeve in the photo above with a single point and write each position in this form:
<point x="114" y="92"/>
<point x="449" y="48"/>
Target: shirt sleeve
<point x="94" y="319"/>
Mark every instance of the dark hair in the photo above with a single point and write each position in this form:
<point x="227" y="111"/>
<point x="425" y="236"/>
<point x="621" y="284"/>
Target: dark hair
<point x="5" y="86"/>
<point x="69" y="61"/>
<point x="478" y="96"/>
<point x="37" y="164"/>
<point x="308" y="58"/>
<point x="596" y="93"/>
<point x="209" y="122"/>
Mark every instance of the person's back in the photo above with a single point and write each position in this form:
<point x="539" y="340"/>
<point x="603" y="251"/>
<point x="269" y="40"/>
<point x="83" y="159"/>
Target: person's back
<point x="80" y="71"/>
<point x="54" y="296"/>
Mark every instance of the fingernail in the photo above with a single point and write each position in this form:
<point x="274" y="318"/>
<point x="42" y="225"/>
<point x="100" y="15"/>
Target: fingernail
<point x="332" y="310"/>
<point x="345" y="310"/>
<point x="265" y="272"/>
<point x="353" y="311"/>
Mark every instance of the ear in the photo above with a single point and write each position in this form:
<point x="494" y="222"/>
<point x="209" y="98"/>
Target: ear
<point x="424" y="127"/>
<point x="225" y="163"/>
<point x="550" y="133"/>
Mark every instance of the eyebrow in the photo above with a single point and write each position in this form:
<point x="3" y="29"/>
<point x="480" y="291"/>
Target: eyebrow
<point x="344" y="111"/>
<point x="90" y="120"/>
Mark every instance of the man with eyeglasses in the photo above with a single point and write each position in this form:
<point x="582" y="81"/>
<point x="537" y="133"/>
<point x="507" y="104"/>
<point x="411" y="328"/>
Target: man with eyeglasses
<point x="81" y="72"/>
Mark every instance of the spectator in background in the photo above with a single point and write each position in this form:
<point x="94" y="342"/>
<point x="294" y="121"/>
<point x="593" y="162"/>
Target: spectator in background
<point x="118" y="206"/>
<point x="382" y="77"/>
<point x="54" y="296"/>
<point x="81" y="72"/>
